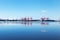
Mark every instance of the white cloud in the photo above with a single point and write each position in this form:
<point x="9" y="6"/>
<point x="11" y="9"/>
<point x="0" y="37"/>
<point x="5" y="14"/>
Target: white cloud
<point x="44" y="11"/>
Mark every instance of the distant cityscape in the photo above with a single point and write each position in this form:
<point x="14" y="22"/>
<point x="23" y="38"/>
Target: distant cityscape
<point x="27" y="21"/>
<point x="31" y="19"/>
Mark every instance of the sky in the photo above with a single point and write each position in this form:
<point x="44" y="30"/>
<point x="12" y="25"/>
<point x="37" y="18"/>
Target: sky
<point x="30" y="8"/>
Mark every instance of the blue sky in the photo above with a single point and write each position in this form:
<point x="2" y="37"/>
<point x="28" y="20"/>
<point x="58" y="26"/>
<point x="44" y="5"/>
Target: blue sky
<point x="30" y="8"/>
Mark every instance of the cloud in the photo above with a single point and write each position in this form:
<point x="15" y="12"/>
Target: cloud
<point x="44" y="11"/>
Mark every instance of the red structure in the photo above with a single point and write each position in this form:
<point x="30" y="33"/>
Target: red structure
<point x="44" y="18"/>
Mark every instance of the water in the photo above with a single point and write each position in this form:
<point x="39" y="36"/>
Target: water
<point x="49" y="31"/>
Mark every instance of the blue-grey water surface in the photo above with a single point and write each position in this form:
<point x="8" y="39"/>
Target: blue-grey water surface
<point x="50" y="31"/>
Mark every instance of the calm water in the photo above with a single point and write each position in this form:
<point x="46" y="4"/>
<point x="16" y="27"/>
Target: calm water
<point x="50" y="31"/>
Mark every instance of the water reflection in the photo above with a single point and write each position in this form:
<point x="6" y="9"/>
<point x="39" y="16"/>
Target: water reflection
<point x="29" y="23"/>
<point x="30" y="31"/>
